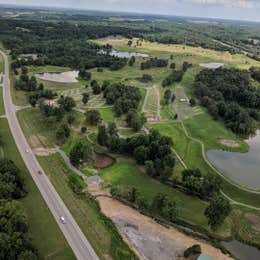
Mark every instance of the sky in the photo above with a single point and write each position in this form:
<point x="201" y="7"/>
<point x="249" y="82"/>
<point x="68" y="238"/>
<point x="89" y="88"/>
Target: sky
<point x="227" y="9"/>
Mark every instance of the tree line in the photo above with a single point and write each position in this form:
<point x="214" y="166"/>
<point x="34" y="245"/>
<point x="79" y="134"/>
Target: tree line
<point x="229" y="94"/>
<point x="14" y="229"/>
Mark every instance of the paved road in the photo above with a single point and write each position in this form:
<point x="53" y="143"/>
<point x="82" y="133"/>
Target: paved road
<point x="76" y="239"/>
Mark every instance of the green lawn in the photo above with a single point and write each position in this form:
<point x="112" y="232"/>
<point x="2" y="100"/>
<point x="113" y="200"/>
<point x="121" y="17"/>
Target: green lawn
<point x="2" y="110"/>
<point x="211" y="132"/>
<point x="44" y="231"/>
<point x="39" y="131"/>
<point x="191" y="209"/>
<point x="1" y="65"/>
<point x="100" y="232"/>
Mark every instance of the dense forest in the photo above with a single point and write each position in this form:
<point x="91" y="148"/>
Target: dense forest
<point x="230" y="95"/>
<point x="15" y="240"/>
<point x="62" y="43"/>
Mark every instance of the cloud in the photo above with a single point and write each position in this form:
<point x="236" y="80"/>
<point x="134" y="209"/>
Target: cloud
<point x="245" y="4"/>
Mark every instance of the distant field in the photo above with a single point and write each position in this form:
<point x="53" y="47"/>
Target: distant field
<point x="181" y="53"/>
<point x="46" y="234"/>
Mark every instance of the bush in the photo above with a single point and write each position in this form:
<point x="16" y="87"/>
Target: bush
<point x="192" y="251"/>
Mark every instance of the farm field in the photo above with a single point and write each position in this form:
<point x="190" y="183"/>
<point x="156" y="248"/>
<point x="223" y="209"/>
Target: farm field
<point x="44" y="231"/>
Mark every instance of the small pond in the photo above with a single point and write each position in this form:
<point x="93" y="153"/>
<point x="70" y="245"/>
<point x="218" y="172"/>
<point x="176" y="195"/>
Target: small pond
<point x="124" y="54"/>
<point x="63" y="77"/>
<point x="212" y="65"/>
<point x="242" y="251"/>
<point x="241" y="167"/>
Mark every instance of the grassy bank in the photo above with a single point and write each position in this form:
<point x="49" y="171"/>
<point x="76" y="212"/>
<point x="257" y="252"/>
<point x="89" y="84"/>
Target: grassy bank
<point x="44" y="231"/>
<point x="99" y="231"/>
<point x="2" y="110"/>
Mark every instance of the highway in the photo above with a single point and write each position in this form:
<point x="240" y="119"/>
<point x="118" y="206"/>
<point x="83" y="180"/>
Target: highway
<point x="76" y="239"/>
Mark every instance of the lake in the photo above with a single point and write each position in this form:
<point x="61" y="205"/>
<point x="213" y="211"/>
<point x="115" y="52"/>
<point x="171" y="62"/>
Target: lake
<point x="124" y="54"/>
<point x="242" y="251"/>
<point x="63" y="77"/>
<point x="212" y="65"/>
<point x="244" y="168"/>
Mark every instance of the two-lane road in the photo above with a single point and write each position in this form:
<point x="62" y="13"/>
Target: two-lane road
<point x="76" y="239"/>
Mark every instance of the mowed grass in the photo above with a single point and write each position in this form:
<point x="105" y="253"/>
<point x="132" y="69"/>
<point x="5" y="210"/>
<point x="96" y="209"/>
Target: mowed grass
<point x="211" y="132"/>
<point x="45" y="233"/>
<point x="2" y="110"/>
<point x="39" y="131"/>
<point x="101" y="234"/>
<point x="36" y="128"/>
<point x="191" y="209"/>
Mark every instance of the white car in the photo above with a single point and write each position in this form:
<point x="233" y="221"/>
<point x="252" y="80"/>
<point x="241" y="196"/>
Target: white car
<point x="27" y="151"/>
<point x="62" y="219"/>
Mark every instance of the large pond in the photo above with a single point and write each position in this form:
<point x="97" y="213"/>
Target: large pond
<point x="244" y="168"/>
<point x="242" y="251"/>
<point x="125" y="54"/>
<point x="63" y="77"/>
<point x="212" y="65"/>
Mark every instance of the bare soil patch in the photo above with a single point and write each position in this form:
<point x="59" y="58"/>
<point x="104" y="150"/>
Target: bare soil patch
<point x="254" y="219"/>
<point x="148" y="238"/>
<point x="102" y="161"/>
<point x="37" y="141"/>
<point x="44" y="152"/>
<point x="229" y="143"/>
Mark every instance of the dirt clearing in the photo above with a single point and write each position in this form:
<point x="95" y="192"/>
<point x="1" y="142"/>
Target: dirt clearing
<point x="102" y="161"/>
<point x="151" y="240"/>
<point x="229" y="143"/>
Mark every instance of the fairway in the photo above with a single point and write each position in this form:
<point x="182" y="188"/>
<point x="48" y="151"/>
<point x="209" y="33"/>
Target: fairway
<point x="43" y="229"/>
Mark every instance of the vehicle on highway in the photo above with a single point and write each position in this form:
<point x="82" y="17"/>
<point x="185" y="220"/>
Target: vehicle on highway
<point x="62" y="219"/>
<point x="40" y="172"/>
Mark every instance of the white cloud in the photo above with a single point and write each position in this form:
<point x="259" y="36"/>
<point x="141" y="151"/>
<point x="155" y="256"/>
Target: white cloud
<point x="247" y="4"/>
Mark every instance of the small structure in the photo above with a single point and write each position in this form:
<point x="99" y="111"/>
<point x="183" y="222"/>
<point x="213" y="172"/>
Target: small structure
<point x="51" y="102"/>
<point x="150" y="117"/>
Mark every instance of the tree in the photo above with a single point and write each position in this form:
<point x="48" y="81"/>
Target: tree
<point x="149" y="168"/>
<point x="141" y="154"/>
<point x="218" y="209"/>
<point x="79" y="152"/>
<point x="102" y="136"/>
<point x="93" y="117"/>
<point x="71" y="119"/>
<point x="63" y="133"/>
<point x="83" y="74"/>
<point x="193" y="102"/>
<point x="131" y="61"/>
<point x="66" y="103"/>
<point x="192" y="251"/>
<point x="85" y="98"/>
<point x="173" y="66"/>
<point x="167" y="96"/>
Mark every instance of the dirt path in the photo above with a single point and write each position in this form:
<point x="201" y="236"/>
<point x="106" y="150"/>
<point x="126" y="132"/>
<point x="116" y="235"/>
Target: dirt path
<point x="151" y="240"/>
<point x="182" y="108"/>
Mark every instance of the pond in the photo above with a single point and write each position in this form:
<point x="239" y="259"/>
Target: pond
<point x="242" y="251"/>
<point x="124" y="54"/>
<point x="241" y="167"/>
<point x="63" y="77"/>
<point x="212" y="65"/>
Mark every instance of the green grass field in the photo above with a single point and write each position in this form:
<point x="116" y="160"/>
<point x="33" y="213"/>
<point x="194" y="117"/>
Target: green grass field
<point x="125" y="173"/>
<point x="100" y="232"/>
<point x="1" y="65"/>
<point x="44" y="231"/>
<point x="2" y="110"/>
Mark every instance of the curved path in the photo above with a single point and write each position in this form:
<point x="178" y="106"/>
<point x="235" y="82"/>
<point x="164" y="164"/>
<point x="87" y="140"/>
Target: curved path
<point x="76" y="239"/>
